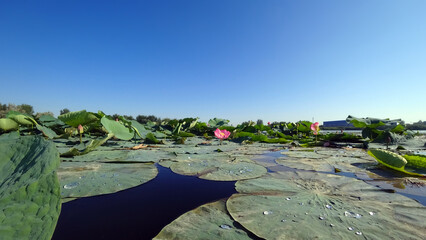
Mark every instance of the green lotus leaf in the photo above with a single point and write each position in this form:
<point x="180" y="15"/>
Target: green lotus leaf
<point x="47" y="131"/>
<point x="7" y="124"/>
<point x="21" y="118"/>
<point x="394" y="161"/>
<point x="92" y="145"/>
<point x="141" y="129"/>
<point x="218" y="169"/>
<point x="123" y="156"/>
<point x="303" y="154"/>
<point x="78" y="118"/>
<point x="118" y="129"/>
<point x="306" y="205"/>
<point x="325" y="164"/>
<point x="83" y="179"/>
<point x="29" y="188"/>
<point x="388" y="158"/>
<point x="209" y="221"/>
<point x="150" y="138"/>
<point x="50" y="121"/>
<point x="416" y="161"/>
<point x="217" y="122"/>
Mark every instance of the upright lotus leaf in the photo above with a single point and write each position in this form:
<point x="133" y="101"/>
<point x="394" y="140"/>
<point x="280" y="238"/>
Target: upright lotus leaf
<point x="92" y="145"/>
<point x="50" y="121"/>
<point x="140" y="128"/>
<point x="217" y="122"/>
<point x="391" y="160"/>
<point x="83" y="179"/>
<point x="213" y="167"/>
<point x="118" y="129"/>
<point x="21" y="118"/>
<point x="177" y="129"/>
<point x="306" y="205"/>
<point x="150" y="138"/>
<point x="366" y="122"/>
<point x="416" y="161"/>
<point x="29" y="188"/>
<point x="78" y="118"/>
<point x="209" y="221"/>
<point x="7" y="124"/>
<point x="304" y="126"/>
<point x="47" y="131"/>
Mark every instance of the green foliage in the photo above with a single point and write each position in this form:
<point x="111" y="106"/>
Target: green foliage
<point x="151" y="139"/>
<point x="7" y="124"/>
<point x="21" y="118"/>
<point x="78" y="118"/>
<point x="416" y="161"/>
<point x="391" y="160"/>
<point x="119" y="130"/>
<point x="217" y="122"/>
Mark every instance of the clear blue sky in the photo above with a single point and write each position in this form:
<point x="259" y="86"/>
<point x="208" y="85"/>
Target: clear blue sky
<point x="241" y="60"/>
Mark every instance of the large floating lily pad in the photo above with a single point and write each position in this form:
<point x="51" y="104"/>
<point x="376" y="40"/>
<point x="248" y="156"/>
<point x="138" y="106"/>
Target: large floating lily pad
<point x="218" y="169"/>
<point x="209" y="221"/>
<point x="307" y="205"/>
<point x="143" y="155"/>
<point x="29" y="188"/>
<point x="81" y="179"/>
<point x="303" y="154"/>
<point x="324" y="164"/>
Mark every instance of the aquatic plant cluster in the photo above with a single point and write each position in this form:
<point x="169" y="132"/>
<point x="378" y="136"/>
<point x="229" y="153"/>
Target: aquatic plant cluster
<point x="48" y="161"/>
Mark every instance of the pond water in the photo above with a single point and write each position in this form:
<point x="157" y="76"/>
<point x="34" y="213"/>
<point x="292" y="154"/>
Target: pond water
<point x="140" y="212"/>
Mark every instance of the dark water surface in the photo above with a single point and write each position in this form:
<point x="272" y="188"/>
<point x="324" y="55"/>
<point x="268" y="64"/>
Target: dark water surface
<point x="140" y="212"/>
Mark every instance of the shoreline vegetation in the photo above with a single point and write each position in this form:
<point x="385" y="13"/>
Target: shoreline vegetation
<point x="142" y="119"/>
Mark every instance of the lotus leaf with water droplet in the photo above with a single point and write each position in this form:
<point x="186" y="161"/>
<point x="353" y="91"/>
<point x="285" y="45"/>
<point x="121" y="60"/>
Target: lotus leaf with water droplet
<point x="218" y="167"/>
<point x="82" y="179"/>
<point x="209" y="221"/>
<point x="306" y="215"/>
<point x="323" y="163"/>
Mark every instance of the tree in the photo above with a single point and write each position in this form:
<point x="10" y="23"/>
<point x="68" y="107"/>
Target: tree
<point x="128" y="117"/>
<point x="63" y="111"/>
<point x="26" y="108"/>
<point x="259" y="122"/>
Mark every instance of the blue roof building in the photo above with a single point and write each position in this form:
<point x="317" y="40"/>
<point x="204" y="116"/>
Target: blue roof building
<point x="338" y="123"/>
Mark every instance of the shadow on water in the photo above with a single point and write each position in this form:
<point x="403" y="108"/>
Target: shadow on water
<point x="140" y="212"/>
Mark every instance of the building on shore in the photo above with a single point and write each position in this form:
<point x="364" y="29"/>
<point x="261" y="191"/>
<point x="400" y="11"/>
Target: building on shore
<point x="338" y="123"/>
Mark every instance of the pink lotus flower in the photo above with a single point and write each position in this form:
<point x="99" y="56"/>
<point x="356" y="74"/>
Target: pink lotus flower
<point x="269" y="123"/>
<point x="222" y="134"/>
<point x="315" y="128"/>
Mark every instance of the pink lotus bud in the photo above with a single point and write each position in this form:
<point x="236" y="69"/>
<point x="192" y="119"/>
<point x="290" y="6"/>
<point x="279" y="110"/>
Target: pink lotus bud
<point x="80" y="129"/>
